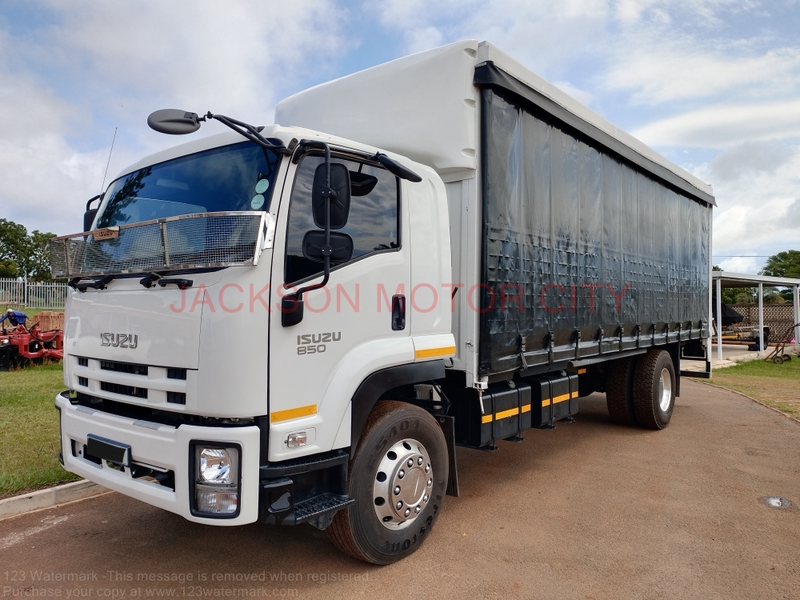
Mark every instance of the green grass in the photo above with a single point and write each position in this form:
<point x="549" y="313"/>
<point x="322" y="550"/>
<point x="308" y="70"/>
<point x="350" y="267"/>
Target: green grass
<point x="774" y="385"/>
<point x="29" y="443"/>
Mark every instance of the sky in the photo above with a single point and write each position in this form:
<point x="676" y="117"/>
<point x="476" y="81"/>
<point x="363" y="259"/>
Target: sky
<point x="714" y="85"/>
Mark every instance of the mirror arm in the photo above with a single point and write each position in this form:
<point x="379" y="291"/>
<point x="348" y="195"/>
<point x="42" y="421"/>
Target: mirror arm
<point x="396" y="168"/>
<point x="246" y="130"/>
<point x="326" y="249"/>
<point x="89" y="202"/>
<point x="296" y="299"/>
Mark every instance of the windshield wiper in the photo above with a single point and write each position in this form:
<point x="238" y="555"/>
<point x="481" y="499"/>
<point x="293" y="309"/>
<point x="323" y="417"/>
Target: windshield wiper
<point x="149" y="280"/>
<point x="181" y="283"/>
<point x="98" y="284"/>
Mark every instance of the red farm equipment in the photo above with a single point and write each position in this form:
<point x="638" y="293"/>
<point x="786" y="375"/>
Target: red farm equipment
<point x="20" y="344"/>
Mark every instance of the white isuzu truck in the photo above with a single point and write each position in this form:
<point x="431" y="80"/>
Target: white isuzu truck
<point x="299" y="323"/>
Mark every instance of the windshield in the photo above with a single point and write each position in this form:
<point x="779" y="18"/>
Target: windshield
<point x="239" y="177"/>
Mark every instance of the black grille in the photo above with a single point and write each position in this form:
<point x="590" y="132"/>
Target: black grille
<point x="120" y="367"/>
<point x="176" y="373"/>
<point x="83" y="362"/>
<point x="83" y="381"/>
<point x="176" y="397"/>
<point x="132" y="411"/>
<point x="125" y="390"/>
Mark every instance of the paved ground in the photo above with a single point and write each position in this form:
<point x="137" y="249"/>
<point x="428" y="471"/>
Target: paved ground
<point x="588" y="511"/>
<point x="732" y="354"/>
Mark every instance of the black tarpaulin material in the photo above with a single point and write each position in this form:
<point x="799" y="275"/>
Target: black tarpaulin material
<point x="729" y="315"/>
<point x="584" y="252"/>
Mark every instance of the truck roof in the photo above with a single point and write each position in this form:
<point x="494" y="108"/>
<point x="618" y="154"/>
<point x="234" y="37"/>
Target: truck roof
<point x="427" y="106"/>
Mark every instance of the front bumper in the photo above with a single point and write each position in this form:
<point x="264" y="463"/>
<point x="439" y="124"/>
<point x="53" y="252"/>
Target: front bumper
<point x="164" y="448"/>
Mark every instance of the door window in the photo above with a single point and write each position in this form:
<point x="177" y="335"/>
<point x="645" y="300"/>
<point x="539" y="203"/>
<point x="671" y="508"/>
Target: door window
<point x="372" y="224"/>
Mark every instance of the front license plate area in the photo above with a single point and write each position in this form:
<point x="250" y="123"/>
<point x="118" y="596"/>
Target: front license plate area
<point x="109" y="450"/>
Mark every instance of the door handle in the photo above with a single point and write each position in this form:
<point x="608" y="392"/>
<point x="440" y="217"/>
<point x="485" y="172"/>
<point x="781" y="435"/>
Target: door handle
<point x="398" y="312"/>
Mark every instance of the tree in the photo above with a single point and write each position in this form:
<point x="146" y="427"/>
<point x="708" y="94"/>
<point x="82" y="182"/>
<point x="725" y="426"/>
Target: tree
<point x="22" y="254"/>
<point x="8" y="269"/>
<point x="39" y="257"/>
<point x="773" y="297"/>
<point x="12" y="247"/>
<point x="783" y="264"/>
<point x="728" y="294"/>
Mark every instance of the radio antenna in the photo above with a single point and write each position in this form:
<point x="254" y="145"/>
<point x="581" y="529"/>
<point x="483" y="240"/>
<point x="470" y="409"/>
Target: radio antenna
<point x="114" y="139"/>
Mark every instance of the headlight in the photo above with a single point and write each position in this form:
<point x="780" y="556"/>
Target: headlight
<point x="216" y="480"/>
<point x="215" y="465"/>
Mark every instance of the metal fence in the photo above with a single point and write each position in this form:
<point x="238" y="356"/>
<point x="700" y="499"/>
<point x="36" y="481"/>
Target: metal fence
<point x="29" y="294"/>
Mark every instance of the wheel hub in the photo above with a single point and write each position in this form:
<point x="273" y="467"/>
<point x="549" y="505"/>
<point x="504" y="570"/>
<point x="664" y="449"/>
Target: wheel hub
<point x="664" y="390"/>
<point x="403" y="484"/>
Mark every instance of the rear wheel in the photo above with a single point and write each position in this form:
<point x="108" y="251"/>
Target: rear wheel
<point x="619" y="390"/>
<point x="398" y="478"/>
<point x="654" y="389"/>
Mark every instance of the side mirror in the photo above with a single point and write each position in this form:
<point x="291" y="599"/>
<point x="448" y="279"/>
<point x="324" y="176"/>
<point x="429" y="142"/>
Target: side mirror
<point x="174" y="121"/>
<point x="292" y="309"/>
<point x="362" y="184"/>
<point x="340" y="195"/>
<point x="341" y="247"/>
<point x="88" y="218"/>
<point x="91" y="213"/>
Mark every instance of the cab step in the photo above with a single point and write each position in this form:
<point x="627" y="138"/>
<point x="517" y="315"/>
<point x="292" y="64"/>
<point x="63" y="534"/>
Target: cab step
<point x="319" y="510"/>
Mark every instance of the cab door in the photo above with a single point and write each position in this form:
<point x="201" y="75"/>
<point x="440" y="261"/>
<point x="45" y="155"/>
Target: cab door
<point x="355" y="325"/>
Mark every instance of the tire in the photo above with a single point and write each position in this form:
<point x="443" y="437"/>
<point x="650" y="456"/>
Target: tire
<point x="619" y="390"/>
<point x="778" y="359"/>
<point x="385" y="525"/>
<point x="654" y="389"/>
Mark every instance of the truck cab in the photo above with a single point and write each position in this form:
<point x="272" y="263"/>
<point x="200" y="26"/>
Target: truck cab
<point x="198" y="378"/>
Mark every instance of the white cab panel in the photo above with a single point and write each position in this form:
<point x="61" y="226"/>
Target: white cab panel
<point x="422" y="106"/>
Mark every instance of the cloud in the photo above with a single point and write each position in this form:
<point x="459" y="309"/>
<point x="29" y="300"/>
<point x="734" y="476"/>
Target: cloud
<point x="584" y="97"/>
<point x="721" y="126"/>
<point x="793" y="216"/>
<point x="706" y="13"/>
<point x="70" y="79"/>
<point x="539" y="33"/>
<point x="758" y="196"/>
<point x="40" y="171"/>
<point x="686" y="71"/>
<point x="232" y="57"/>
<point x="424" y="39"/>
<point x="749" y="159"/>
<point x="741" y="264"/>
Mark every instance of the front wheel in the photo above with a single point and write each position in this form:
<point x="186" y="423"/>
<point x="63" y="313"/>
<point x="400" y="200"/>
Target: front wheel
<point x="398" y="478"/>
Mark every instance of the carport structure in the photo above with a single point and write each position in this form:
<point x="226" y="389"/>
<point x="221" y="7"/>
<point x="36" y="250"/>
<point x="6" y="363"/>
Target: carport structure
<point x="724" y="279"/>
